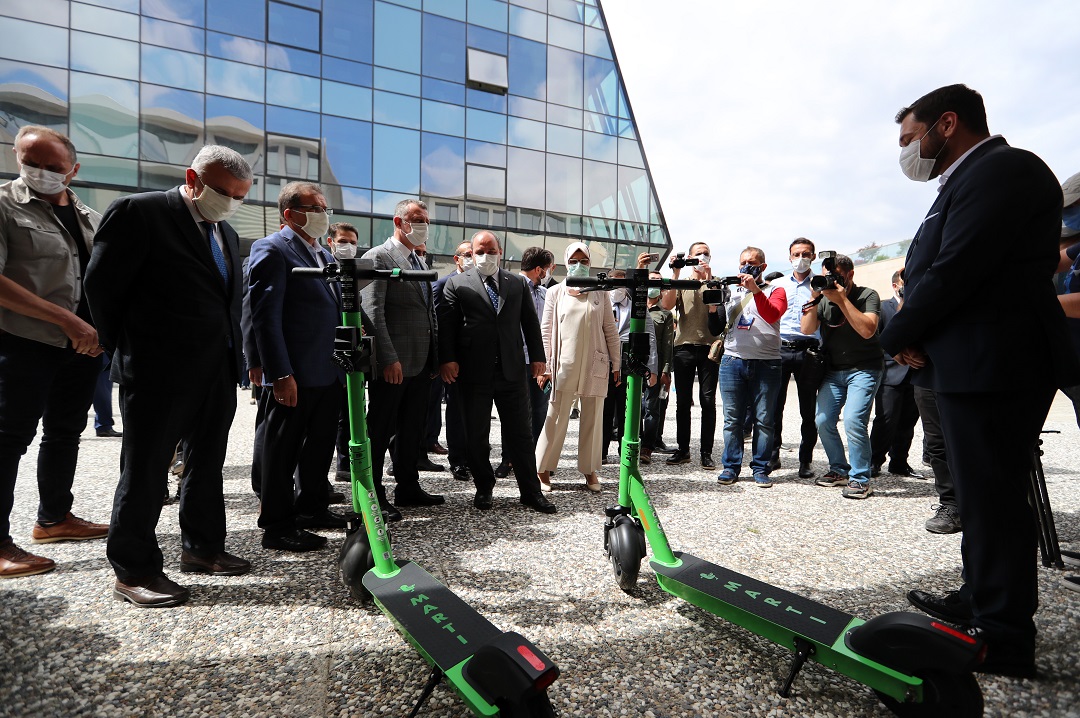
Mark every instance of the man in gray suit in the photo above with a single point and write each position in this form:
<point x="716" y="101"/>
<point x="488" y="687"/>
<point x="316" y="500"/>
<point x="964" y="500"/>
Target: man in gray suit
<point x="403" y="317"/>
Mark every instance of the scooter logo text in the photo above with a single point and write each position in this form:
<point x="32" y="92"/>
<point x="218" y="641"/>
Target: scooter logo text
<point x="431" y="611"/>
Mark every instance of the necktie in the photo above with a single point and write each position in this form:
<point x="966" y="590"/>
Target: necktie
<point x="493" y="293"/>
<point x="219" y="257"/>
<point x="415" y="262"/>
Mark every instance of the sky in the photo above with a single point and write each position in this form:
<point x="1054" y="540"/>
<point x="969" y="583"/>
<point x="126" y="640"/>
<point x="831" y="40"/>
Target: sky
<point x="766" y="121"/>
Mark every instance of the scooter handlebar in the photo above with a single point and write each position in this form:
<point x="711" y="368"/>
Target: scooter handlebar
<point x="606" y="282"/>
<point x="363" y="270"/>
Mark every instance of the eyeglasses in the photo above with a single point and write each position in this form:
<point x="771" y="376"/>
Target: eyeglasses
<point x="572" y="262"/>
<point x="313" y="208"/>
<point x="805" y="255"/>
<point x="463" y="254"/>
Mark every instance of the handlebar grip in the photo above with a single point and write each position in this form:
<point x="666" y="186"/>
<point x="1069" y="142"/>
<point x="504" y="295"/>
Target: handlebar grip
<point x="310" y="271"/>
<point x="419" y="275"/>
<point x="582" y="281"/>
<point x="683" y="284"/>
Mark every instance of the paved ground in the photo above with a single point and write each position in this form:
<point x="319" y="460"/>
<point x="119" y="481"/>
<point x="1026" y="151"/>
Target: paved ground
<point x="286" y="640"/>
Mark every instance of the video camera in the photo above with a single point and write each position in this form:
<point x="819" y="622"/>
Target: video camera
<point x="680" y="260"/>
<point x="829" y="277"/>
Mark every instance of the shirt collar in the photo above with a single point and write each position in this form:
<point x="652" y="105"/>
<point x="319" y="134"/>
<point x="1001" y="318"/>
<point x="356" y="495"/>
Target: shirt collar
<point x="191" y="206"/>
<point x="947" y="173"/>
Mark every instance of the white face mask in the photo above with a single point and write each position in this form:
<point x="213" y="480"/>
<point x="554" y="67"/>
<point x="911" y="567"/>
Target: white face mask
<point x="419" y="233"/>
<point x="800" y="265"/>
<point x="577" y="270"/>
<point x="487" y="264"/>
<point x="43" y="181"/>
<point x="618" y="295"/>
<point x="214" y="206"/>
<point x="466" y="263"/>
<point x="913" y="164"/>
<point x="344" y="250"/>
<point x="703" y="260"/>
<point x="316" y="224"/>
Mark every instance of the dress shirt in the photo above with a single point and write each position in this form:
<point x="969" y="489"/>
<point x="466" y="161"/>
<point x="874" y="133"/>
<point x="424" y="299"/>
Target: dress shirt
<point x="798" y="294"/>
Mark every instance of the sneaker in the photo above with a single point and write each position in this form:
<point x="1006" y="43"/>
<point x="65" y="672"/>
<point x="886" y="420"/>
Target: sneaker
<point x="72" y="528"/>
<point x="762" y="481"/>
<point x="832" y="479"/>
<point x="946" y="520"/>
<point x="858" y="490"/>
<point x="707" y="461"/>
<point x="727" y="477"/>
<point x="15" y="562"/>
<point x="679" y="457"/>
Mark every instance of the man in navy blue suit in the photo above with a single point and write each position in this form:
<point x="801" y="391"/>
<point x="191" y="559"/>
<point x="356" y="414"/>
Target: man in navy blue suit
<point x="293" y="319"/>
<point x="993" y="365"/>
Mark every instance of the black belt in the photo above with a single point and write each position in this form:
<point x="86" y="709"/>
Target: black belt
<point x="799" y="344"/>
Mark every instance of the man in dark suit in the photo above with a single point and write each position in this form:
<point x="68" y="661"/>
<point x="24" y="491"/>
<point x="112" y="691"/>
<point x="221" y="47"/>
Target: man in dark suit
<point x="994" y="202"/>
<point x="403" y="322"/>
<point x="482" y="317"/>
<point x="167" y="265"/>
<point x="455" y="417"/>
<point x="294" y="319"/>
<point x="895" y="411"/>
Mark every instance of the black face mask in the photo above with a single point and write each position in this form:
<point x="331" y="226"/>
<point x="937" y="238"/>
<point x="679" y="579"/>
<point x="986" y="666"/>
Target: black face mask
<point x="750" y="269"/>
<point x="900" y="292"/>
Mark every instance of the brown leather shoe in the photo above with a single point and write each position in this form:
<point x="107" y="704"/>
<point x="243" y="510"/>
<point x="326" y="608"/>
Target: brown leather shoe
<point x="439" y="449"/>
<point x="152" y="592"/>
<point x="218" y="564"/>
<point x="15" y="562"/>
<point x="72" y="528"/>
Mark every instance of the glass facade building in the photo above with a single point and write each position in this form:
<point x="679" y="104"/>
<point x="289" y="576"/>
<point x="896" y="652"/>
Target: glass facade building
<point x="504" y="115"/>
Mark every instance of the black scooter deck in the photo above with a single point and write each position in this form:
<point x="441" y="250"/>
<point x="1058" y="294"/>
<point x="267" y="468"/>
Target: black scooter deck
<point x="439" y="623"/>
<point x="798" y="614"/>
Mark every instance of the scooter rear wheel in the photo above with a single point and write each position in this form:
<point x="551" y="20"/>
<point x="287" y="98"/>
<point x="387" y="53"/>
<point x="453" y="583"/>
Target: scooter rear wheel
<point x="945" y="695"/>
<point x="624" y="548"/>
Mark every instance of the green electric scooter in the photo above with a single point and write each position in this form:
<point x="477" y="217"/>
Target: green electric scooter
<point x="917" y="666"/>
<point x="495" y="673"/>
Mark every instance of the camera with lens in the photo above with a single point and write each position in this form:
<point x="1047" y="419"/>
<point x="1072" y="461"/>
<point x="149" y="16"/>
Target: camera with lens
<point x="829" y="277"/>
<point x="680" y="260"/>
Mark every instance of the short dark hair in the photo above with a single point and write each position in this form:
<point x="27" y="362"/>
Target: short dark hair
<point x="753" y="250"/>
<point x="691" y="247"/>
<point x="289" y="196"/>
<point x="844" y="263"/>
<point x="51" y="134"/>
<point x="342" y="227"/>
<point x="802" y="240"/>
<point x="961" y="99"/>
<point x="536" y="257"/>
<point x="897" y="276"/>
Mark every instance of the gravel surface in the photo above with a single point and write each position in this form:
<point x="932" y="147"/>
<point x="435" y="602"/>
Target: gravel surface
<point x="286" y="640"/>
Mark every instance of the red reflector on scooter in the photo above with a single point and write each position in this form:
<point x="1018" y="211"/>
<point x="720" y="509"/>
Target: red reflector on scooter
<point x="531" y="657"/>
<point x="953" y="632"/>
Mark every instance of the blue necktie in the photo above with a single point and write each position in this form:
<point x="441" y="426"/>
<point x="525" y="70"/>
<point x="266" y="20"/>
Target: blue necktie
<point x="489" y="285"/>
<point x="219" y="257"/>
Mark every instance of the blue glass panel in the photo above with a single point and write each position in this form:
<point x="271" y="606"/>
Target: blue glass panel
<point x="355" y="200"/>
<point x="234" y="79"/>
<point x="444" y="91"/>
<point x="239" y="125"/>
<point x="442" y="166"/>
<point x="347" y="144"/>
<point x="626" y="129"/>
<point x="624" y="106"/>
<point x="564" y="140"/>
<point x="399" y="110"/>
<point x="601" y="123"/>
<point x="566" y="116"/>
<point x="540" y="5"/>
<point x="527" y="133"/>
<point x="488" y="13"/>
<point x="348" y="28"/>
<point x="601" y="86"/>
<point x="104" y="55"/>
<point x="397" y="38"/>
<point x="289" y="90"/>
<point x="596" y="43"/>
<point x="566" y="34"/>
<point x="488" y="40"/>
<point x="443" y="118"/>
<point x="525" y="173"/>
<point x="630" y="153"/>
<point x="171" y="125"/>
<point x="280" y="57"/>
<point x="485" y="100"/>
<point x="396" y="160"/>
<point x="565" y="70"/>
<point x="31" y="95"/>
<point x="600" y="186"/>
<point x="240" y="49"/>
<point x="524" y="107"/>
<point x="103" y="115"/>
<point x="485" y="153"/>
<point x="403" y="83"/>
<point x="172" y="68"/>
<point x="108" y="170"/>
<point x="294" y="26"/>
<point x="566" y="9"/>
<point x="354" y="73"/>
<point x="187" y="12"/>
<point x="528" y="24"/>
<point x="226" y="110"/>
<point x="447" y="8"/>
<point x="601" y="147"/>
<point x="633" y="194"/>
<point x="31" y="42"/>
<point x="592" y="17"/>
<point x="246" y="18"/>
<point x="487" y="184"/>
<point x="291" y="122"/>
<point x="50" y="12"/>
<point x="294" y="157"/>
<point x="346" y="100"/>
<point x="563" y="184"/>
<point x="528" y="68"/>
<point x="104" y="22"/>
<point x="486" y="126"/>
<point x="383" y="203"/>
<point x="444" y="48"/>
<point x="170" y="34"/>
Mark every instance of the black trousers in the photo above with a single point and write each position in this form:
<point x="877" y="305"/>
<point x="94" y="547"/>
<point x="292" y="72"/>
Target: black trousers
<point x="156" y="418"/>
<point x="653" y="409"/>
<point x="614" y="413"/>
<point x="538" y="401"/>
<point x="298" y="446"/>
<point x="934" y="446"/>
<point x="456" y="442"/>
<point x="55" y="386"/>
<point x="401" y="410"/>
<point x="895" y="416"/>
<point x="511" y="398"/>
<point x="689" y="360"/>
<point x="794" y="363"/>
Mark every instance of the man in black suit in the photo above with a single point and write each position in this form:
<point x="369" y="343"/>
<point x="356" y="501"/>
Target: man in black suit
<point x="994" y="202"/>
<point x="482" y="317"/>
<point x="167" y="265"/>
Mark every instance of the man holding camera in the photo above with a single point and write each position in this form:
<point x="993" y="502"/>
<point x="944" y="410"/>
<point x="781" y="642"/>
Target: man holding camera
<point x="848" y="318"/>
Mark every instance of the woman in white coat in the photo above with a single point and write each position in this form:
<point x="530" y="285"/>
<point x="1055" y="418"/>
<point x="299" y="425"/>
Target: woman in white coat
<point x="581" y="342"/>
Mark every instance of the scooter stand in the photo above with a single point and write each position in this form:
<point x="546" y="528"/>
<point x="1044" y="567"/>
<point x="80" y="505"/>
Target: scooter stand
<point x="434" y="679"/>
<point x="803" y="650"/>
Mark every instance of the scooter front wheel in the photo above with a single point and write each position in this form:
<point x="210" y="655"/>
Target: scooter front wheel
<point x="945" y="695"/>
<point x="355" y="560"/>
<point x="624" y="543"/>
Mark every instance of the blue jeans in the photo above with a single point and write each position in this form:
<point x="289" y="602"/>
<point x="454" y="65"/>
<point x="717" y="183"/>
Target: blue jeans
<point x="852" y="390"/>
<point x="754" y="383"/>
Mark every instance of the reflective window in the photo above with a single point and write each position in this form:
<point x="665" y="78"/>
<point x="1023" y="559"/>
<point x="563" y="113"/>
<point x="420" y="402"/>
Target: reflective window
<point x="540" y="5"/>
<point x="596" y="43"/>
<point x="443" y="91"/>
<point x="346" y="100"/>
<point x="525" y="179"/>
<point x="153" y="175"/>
<point x="529" y="24"/>
<point x="443" y="118"/>
<point x="400" y="110"/>
<point x="600" y="184"/>
<point x="348" y="28"/>
<point x="188" y="12"/>
<point x="292" y="122"/>
<point x="172" y="68"/>
<point x="654" y="208"/>
<point x="294" y="26"/>
<point x="171" y="125"/>
<point x="442" y="166"/>
<point x="630" y="153"/>
<point x="564" y="140"/>
<point x="566" y="116"/>
<point x="31" y="42"/>
<point x="485" y="153"/>
<point x="601" y="123"/>
<point x="564" y="77"/>
<point x="346" y="71"/>
<point x="290" y="90"/>
<point x="566" y="9"/>
<point x="235" y="48"/>
<point x="454" y="9"/>
<point x="601" y="84"/>
<point x="108" y="170"/>
<point x="52" y="12"/>
<point x="524" y="107"/>
<point x="482" y="100"/>
<point x="444" y="48"/>
<point x="246" y="18"/>
<point x="626" y="128"/>
<point x="487" y="184"/>
<point x="396" y="160"/>
<point x="170" y="34"/>
<point x="383" y="203"/>
<point x="403" y="83"/>
<point x="565" y="34"/>
<point x="239" y="125"/>
<point x="563" y="184"/>
<point x="487" y="71"/>
<point x="234" y="79"/>
<point x="397" y="37"/>
<point x="531" y="219"/>
<point x="348" y="151"/>
<point x="600" y="147"/>
<point x="527" y="133"/>
<point x="487" y="40"/>
<point x="352" y="199"/>
<point x="624" y="106"/>
<point x="658" y="236"/>
<point x="488" y="13"/>
<point x="596" y="227"/>
<point x="486" y="126"/>
<point x="32" y="95"/>
<point x="104" y="119"/>
<point x="295" y="157"/>
<point x="633" y="194"/>
<point x="443" y="239"/>
<point x="281" y="57"/>
<point x="104" y="55"/>
<point x="104" y="22"/>
<point x="592" y="17"/>
<point x="527" y="65"/>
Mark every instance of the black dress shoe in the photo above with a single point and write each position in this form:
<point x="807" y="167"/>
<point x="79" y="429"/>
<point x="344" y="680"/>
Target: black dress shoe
<point x="875" y="471"/>
<point x="296" y="540"/>
<point x="707" y="461"/>
<point x="110" y="433"/>
<point x="536" y="500"/>
<point x="805" y="472"/>
<point x="949" y="607"/>
<point x="218" y="564"/>
<point x="426" y="464"/>
<point x="325" y="519"/>
<point x="152" y="592"/>
<point x="503" y="469"/>
<point x="461" y="473"/>
<point x="679" y="457"/>
<point x="392" y="514"/>
<point x="417" y="497"/>
<point x="772" y="466"/>
<point x="906" y="471"/>
<point x="336" y="497"/>
<point x="483" y="500"/>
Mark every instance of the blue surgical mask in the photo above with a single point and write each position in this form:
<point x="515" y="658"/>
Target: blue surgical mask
<point x="750" y="269"/>
<point x="654" y="292"/>
<point x="1070" y="217"/>
<point x="577" y="270"/>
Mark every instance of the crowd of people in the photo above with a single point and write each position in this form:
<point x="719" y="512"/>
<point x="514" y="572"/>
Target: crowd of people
<point x="77" y="285"/>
